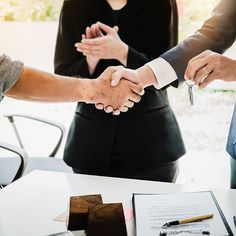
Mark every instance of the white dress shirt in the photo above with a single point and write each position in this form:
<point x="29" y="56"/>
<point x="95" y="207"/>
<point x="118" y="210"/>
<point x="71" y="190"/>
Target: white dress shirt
<point x="163" y="71"/>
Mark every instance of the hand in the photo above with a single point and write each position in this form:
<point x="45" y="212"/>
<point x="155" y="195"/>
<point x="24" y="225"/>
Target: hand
<point x="109" y="46"/>
<point x="91" y="32"/>
<point x="142" y="76"/>
<point x="209" y="66"/>
<point x="119" y="98"/>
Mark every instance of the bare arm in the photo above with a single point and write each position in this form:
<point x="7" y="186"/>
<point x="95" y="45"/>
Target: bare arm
<point x="36" y="85"/>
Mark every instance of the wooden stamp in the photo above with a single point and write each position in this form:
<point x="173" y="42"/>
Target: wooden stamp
<point x="106" y="220"/>
<point x="78" y="210"/>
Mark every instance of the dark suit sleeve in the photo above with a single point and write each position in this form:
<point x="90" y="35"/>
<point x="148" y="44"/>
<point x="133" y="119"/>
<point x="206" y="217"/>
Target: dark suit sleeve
<point x="217" y="34"/>
<point x="136" y="59"/>
<point x="67" y="61"/>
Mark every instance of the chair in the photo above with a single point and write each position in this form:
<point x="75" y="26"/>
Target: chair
<point x="12" y="168"/>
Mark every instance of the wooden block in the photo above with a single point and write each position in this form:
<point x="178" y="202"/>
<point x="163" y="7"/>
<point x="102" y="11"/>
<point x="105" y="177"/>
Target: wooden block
<point x="78" y="210"/>
<point x="106" y="220"/>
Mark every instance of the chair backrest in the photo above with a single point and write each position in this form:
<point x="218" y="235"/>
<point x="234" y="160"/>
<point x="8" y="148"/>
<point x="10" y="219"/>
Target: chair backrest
<point x="12" y="167"/>
<point x="60" y="127"/>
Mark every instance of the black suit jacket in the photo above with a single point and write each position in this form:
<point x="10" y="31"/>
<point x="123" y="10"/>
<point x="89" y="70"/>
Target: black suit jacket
<point x="148" y="134"/>
<point x="217" y="34"/>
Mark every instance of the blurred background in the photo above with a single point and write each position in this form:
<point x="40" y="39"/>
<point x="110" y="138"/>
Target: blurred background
<point x="28" y="32"/>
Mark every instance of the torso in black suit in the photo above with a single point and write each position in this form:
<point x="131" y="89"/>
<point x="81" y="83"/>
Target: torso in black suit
<point x="148" y="134"/>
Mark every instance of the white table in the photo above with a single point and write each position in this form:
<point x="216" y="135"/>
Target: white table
<point x="29" y="205"/>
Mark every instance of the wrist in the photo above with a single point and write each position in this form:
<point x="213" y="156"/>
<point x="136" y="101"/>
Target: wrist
<point x="86" y="90"/>
<point x="147" y="76"/>
<point x="92" y="64"/>
<point x="123" y="53"/>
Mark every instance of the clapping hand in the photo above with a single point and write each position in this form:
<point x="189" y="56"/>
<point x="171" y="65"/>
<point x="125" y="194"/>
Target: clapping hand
<point x="91" y="32"/>
<point x="108" y="46"/>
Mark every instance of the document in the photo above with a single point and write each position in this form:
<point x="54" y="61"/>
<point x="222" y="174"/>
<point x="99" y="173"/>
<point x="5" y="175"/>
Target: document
<point x="152" y="211"/>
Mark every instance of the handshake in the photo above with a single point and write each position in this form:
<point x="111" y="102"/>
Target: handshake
<point x="117" y="89"/>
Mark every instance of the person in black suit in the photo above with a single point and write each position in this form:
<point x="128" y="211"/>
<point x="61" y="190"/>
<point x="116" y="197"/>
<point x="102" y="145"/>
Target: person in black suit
<point x="198" y="59"/>
<point x="146" y="142"/>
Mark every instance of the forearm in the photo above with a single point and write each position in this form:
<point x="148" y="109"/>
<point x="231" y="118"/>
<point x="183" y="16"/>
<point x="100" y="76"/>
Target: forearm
<point x="123" y="54"/>
<point x="92" y="64"/>
<point x="147" y="76"/>
<point x="36" y="85"/>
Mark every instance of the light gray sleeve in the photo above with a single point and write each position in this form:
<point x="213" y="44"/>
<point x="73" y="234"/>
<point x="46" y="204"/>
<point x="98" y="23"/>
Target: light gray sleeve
<point x="10" y="72"/>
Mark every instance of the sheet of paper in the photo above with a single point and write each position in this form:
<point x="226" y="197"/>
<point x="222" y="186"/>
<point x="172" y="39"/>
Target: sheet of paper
<point x="153" y="211"/>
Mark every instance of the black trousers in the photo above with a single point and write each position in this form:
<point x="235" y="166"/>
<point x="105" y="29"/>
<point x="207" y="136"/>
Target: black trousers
<point x="166" y="172"/>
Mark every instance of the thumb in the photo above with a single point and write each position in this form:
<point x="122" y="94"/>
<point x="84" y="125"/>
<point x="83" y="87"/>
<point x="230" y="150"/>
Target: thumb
<point x="123" y="73"/>
<point x="106" y="28"/>
<point x="107" y="74"/>
<point x="116" y="28"/>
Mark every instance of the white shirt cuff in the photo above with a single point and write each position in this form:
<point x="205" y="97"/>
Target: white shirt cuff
<point x="163" y="72"/>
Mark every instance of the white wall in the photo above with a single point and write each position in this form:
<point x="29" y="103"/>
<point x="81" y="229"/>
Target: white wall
<point x="31" y="42"/>
<point x="34" y="43"/>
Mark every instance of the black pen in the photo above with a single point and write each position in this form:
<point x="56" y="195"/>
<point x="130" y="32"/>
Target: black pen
<point x="188" y="220"/>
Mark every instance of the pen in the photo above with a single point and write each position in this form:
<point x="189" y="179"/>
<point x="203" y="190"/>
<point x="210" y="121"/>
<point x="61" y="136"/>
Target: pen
<point x="234" y="220"/>
<point x="203" y="232"/>
<point x="188" y="220"/>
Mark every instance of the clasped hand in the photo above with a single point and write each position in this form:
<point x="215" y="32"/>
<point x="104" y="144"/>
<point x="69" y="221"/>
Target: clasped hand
<point x="118" y="98"/>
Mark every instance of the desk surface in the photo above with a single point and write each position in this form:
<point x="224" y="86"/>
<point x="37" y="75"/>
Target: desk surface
<point x="29" y="205"/>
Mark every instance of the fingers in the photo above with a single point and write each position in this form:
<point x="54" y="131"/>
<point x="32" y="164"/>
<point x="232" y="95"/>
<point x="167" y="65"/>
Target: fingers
<point x="98" y="31"/>
<point x="123" y="73"/>
<point x="138" y="89"/>
<point x="108" y="109"/>
<point x="124" y="109"/>
<point x="196" y="63"/>
<point x="93" y="31"/>
<point x="88" y="33"/>
<point x="207" y="80"/>
<point x="88" y="49"/>
<point x="135" y="97"/>
<point x="203" y="73"/>
<point x="116" y="77"/>
<point x="193" y="67"/>
<point x="116" y="112"/>
<point x="106" y="28"/>
<point x="99" y="106"/>
<point x="108" y="72"/>
<point x="129" y="104"/>
<point x="95" y="41"/>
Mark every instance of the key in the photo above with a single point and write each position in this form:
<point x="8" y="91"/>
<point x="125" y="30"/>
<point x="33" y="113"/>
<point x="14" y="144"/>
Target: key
<point x="190" y="85"/>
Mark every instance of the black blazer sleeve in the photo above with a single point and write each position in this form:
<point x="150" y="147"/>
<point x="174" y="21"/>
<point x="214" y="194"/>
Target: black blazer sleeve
<point x="217" y="34"/>
<point x="137" y="58"/>
<point x="67" y="61"/>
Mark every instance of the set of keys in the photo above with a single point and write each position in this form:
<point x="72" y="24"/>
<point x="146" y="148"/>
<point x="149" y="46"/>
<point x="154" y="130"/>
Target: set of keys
<point x="190" y="85"/>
